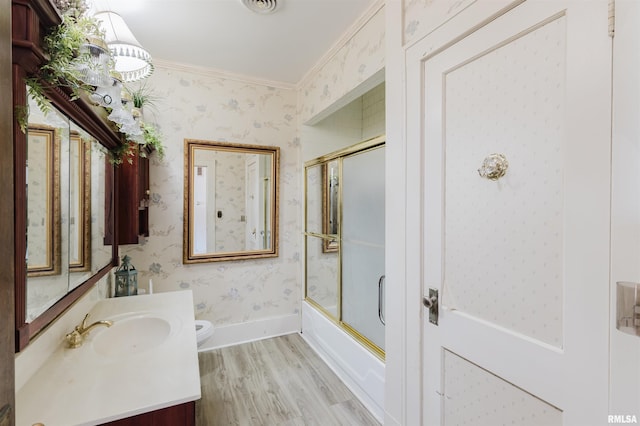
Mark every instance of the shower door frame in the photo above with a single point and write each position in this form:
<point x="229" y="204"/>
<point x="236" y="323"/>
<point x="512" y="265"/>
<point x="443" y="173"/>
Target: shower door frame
<point x="359" y="148"/>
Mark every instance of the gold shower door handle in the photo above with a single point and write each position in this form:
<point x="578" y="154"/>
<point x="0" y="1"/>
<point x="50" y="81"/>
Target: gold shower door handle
<point x="380" y="299"/>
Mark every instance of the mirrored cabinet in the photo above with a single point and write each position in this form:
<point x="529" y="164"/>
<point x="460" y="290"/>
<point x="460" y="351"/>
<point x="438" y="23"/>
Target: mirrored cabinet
<point x="64" y="193"/>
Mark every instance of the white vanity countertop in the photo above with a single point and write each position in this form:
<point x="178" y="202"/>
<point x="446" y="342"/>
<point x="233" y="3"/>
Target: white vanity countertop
<point x="97" y="383"/>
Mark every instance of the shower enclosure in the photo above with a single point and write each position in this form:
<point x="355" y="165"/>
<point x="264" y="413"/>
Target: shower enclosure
<point x="345" y="281"/>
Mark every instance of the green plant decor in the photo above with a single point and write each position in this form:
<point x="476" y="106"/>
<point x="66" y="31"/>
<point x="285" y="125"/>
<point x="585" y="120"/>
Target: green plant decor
<point x="125" y="152"/>
<point x="122" y="153"/>
<point x="152" y="139"/>
<point x="143" y="95"/>
<point x="62" y="46"/>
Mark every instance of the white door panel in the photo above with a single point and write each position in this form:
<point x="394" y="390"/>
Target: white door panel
<point x="521" y="263"/>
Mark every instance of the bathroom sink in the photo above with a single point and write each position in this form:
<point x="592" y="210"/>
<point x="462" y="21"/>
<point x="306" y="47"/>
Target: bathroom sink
<point x="132" y="335"/>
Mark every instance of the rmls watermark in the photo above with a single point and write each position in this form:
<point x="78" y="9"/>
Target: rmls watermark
<point x="622" y="418"/>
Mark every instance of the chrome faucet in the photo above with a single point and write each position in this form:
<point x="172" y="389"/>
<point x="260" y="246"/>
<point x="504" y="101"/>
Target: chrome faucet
<point x="76" y="337"/>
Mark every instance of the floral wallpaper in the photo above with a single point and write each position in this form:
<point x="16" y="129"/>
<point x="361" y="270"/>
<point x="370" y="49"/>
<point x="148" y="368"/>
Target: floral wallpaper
<point x="421" y="17"/>
<point x="357" y="60"/>
<point x="199" y="106"/>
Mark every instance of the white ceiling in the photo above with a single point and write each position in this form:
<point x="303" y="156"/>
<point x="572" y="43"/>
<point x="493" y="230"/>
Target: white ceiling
<point x="224" y="35"/>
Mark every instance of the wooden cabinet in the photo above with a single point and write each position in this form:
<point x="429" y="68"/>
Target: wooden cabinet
<point x="178" y="415"/>
<point x="132" y="181"/>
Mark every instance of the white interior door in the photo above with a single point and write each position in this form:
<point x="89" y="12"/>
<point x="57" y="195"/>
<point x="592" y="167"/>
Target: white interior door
<point x="521" y="263"/>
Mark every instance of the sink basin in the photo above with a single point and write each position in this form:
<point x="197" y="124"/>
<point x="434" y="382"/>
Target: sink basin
<point x="132" y="335"/>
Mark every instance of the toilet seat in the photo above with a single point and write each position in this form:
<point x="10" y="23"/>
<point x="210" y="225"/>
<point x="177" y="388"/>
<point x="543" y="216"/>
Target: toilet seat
<point x="204" y="330"/>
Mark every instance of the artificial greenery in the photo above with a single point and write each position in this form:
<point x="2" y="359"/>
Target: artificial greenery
<point x="152" y="138"/>
<point x="22" y="115"/>
<point x="65" y="57"/>
<point x="143" y="95"/>
<point x="123" y="152"/>
<point x="62" y="46"/>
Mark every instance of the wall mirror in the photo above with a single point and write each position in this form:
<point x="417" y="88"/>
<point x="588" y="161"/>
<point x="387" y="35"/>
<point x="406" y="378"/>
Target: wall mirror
<point x="79" y="202"/>
<point x="63" y="187"/>
<point x="46" y="191"/>
<point x="66" y="183"/>
<point x="88" y="252"/>
<point x="230" y="201"/>
<point x="43" y="199"/>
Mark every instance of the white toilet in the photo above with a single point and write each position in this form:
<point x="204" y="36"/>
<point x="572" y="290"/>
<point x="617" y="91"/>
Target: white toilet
<point x="204" y="330"/>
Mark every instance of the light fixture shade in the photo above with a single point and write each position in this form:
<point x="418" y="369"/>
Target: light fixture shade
<point x="132" y="61"/>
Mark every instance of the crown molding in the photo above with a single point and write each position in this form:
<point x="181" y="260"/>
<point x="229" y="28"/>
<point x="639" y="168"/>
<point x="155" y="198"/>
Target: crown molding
<point x="217" y="73"/>
<point x="306" y="78"/>
<point x="348" y="35"/>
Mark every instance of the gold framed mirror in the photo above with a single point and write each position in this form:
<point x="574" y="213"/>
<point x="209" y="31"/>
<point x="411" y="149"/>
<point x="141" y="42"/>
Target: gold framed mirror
<point x="230" y="201"/>
<point x="43" y="254"/>
<point x="79" y="203"/>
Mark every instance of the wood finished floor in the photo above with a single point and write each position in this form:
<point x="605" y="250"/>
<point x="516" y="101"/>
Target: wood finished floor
<point x="277" y="381"/>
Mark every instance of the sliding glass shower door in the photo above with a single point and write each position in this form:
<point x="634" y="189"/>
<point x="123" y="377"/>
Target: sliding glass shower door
<point x="344" y="238"/>
<point x="363" y="183"/>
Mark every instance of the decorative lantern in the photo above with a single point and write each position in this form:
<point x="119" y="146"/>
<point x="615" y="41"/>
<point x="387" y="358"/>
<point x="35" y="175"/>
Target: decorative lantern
<point x="126" y="279"/>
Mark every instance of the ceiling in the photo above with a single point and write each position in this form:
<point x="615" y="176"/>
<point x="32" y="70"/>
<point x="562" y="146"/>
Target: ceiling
<point x="223" y="35"/>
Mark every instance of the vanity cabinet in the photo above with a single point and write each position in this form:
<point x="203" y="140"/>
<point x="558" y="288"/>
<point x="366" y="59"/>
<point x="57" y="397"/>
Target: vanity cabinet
<point x="133" y="200"/>
<point x="178" y="415"/>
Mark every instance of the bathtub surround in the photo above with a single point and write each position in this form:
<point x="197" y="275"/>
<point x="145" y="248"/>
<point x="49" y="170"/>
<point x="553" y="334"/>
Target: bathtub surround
<point x="340" y="106"/>
<point x="361" y="371"/>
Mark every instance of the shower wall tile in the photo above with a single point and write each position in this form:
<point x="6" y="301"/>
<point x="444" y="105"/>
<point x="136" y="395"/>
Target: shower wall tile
<point x="200" y="106"/>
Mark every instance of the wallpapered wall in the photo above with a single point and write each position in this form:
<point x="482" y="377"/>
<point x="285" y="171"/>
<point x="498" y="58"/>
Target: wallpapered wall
<point x="199" y="106"/>
<point x="357" y="60"/>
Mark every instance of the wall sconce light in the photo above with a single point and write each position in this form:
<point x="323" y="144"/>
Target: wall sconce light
<point x="93" y="63"/>
<point x="132" y="61"/>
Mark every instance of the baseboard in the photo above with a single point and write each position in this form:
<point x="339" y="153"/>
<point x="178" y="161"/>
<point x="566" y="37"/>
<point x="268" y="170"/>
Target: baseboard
<point x="235" y="334"/>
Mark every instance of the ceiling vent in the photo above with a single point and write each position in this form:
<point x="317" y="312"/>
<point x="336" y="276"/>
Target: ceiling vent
<point x="263" y="7"/>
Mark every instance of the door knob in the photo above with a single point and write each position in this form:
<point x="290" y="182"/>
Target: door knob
<point x="431" y="303"/>
<point x="494" y="167"/>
